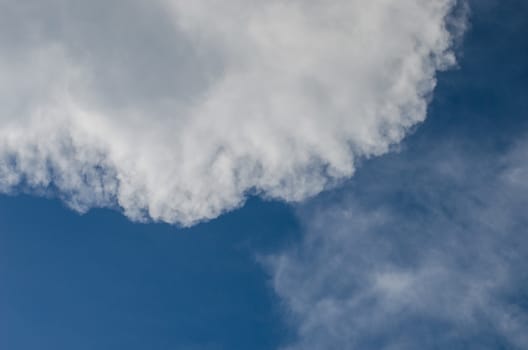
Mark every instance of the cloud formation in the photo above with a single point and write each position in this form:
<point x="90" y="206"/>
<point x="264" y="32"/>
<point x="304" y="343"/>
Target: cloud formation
<point x="426" y="253"/>
<point x="174" y="110"/>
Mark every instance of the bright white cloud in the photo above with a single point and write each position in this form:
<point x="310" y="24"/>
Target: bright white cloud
<point x="435" y="257"/>
<point x="174" y="110"/>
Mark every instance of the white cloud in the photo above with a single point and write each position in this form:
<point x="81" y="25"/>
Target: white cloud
<point x="174" y="110"/>
<point x="434" y="257"/>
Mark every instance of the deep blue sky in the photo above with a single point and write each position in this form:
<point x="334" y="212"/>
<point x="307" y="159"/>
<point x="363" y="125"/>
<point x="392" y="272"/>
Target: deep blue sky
<point x="99" y="281"/>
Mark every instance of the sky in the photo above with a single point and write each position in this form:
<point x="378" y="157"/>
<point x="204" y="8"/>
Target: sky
<point x="263" y="175"/>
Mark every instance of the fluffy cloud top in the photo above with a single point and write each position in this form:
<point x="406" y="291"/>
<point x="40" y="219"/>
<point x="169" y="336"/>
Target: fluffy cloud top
<point x="174" y="110"/>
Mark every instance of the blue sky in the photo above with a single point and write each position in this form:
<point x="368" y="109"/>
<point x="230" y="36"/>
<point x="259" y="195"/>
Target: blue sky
<point x="412" y="237"/>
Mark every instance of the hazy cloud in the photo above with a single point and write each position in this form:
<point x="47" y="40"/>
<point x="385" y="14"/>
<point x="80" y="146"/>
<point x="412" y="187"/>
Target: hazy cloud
<point x="426" y="253"/>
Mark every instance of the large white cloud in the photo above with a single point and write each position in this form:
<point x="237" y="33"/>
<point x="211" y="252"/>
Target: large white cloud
<point x="174" y="110"/>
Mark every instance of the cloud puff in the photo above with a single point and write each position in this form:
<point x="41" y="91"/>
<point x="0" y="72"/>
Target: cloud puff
<point x="174" y="110"/>
<point x="435" y="257"/>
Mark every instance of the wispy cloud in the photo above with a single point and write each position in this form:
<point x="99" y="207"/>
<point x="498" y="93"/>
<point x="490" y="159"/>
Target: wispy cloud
<point x="173" y="110"/>
<point x="427" y="252"/>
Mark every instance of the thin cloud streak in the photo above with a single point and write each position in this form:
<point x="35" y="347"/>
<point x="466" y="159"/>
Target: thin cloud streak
<point x="434" y="258"/>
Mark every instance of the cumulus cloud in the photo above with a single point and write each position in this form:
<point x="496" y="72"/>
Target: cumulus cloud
<point x="174" y="110"/>
<point x="435" y="257"/>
